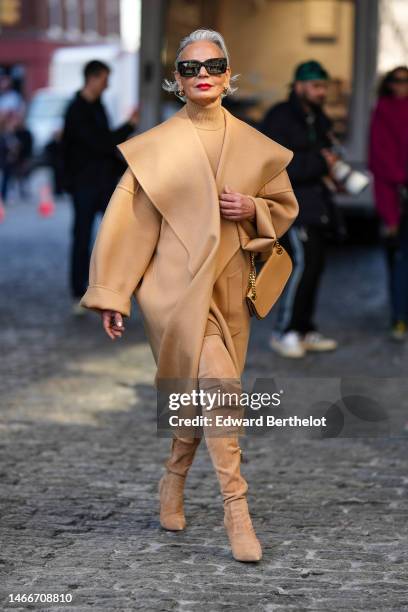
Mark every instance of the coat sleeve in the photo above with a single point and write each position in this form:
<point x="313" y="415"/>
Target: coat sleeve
<point x="124" y="245"/>
<point x="276" y="208"/>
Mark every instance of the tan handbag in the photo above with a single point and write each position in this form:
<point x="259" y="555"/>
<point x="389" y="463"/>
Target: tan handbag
<point x="265" y="289"/>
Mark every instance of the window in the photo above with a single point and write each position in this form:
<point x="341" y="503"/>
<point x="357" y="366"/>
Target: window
<point x="72" y="16"/>
<point x="55" y="15"/>
<point x="112" y="17"/>
<point x="90" y="16"/>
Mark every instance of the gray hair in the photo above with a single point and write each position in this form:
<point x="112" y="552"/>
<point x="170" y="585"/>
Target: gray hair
<point x="202" y="34"/>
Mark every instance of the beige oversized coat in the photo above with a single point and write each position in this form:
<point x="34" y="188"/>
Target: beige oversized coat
<point x="162" y="238"/>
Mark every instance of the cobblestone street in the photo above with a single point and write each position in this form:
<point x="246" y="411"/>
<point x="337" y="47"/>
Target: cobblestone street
<point x="81" y="461"/>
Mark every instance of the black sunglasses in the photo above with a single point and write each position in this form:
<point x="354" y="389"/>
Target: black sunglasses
<point x="190" y="68"/>
<point x="399" y="80"/>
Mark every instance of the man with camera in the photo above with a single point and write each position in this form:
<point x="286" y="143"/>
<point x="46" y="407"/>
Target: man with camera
<point x="301" y="125"/>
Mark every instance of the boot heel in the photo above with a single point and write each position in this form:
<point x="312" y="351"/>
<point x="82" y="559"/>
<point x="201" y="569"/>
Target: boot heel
<point x="243" y="457"/>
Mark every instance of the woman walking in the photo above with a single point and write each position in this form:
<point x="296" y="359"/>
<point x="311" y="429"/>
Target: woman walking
<point x="202" y="190"/>
<point x="388" y="161"/>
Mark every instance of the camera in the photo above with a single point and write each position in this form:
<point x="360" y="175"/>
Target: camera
<point x="351" y="181"/>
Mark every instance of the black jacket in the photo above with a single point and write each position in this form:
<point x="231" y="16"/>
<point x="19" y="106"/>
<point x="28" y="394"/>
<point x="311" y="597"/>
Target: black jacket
<point x="287" y="123"/>
<point x="89" y="145"/>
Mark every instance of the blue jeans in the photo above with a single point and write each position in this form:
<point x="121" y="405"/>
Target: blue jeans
<point x="397" y="259"/>
<point x="296" y="306"/>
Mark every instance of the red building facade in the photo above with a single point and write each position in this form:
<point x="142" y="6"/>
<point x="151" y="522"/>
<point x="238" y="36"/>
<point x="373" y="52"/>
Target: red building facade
<point x="41" y="26"/>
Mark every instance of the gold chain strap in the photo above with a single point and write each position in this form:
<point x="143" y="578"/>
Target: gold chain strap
<point x="252" y="276"/>
<point x="252" y="271"/>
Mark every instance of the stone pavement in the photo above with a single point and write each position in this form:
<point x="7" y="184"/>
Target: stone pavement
<point x="80" y="459"/>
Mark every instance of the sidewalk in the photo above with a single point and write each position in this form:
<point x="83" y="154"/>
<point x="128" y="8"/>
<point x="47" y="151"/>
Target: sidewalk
<point x="81" y="461"/>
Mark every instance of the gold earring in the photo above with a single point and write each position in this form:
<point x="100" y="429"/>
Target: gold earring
<point x="225" y="90"/>
<point x="181" y="92"/>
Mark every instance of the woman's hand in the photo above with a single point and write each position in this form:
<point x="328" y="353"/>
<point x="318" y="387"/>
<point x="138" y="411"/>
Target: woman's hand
<point x="235" y="206"/>
<point x="112" y="322"/>
<point x="330" y="157"/>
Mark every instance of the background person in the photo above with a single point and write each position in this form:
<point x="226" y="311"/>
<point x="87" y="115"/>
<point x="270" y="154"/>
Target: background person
<point x="16" y="146"/>
<point x="92" y="166"/>
<point x="388" y="161"/>
<point x="11" y="101"/>
<point x="301" y="125"/>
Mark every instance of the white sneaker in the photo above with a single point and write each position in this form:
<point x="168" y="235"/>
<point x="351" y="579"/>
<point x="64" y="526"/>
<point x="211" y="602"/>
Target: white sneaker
<point x="77" y="310"/>
<point x="399" y="331"/>
<point x="315" y="341"/>
<point x="288" y="345"/>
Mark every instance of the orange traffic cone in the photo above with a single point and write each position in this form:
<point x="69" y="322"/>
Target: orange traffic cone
<point x="46" y="206"/>
<point x="2" y="211"/>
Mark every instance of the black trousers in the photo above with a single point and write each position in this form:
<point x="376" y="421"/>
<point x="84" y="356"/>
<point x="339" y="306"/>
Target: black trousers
<point x="87" y="201"/>
<point x="306" y="246"/>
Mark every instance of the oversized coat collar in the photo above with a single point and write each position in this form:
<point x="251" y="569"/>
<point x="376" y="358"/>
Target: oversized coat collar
<point x="170" y="164"/>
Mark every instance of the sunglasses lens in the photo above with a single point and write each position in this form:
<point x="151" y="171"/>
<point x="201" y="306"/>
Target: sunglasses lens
<point x="189" y="69"/>
<point x="216" y="66"/>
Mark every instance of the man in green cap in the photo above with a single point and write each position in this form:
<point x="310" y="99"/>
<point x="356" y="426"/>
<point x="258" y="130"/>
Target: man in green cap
<point x="301" y="125"/>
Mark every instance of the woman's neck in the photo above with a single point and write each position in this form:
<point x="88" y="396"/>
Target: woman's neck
<point x="209" y="117"/>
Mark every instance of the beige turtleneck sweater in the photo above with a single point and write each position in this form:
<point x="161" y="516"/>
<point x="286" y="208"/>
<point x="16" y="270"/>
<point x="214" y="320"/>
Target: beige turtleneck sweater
<point x="210" y="125"/>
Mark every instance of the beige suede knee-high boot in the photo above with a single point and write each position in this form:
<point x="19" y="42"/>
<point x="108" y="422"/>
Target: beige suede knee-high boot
<point x="217" y="372"/>
<point x="171" y="485"/>
<point x="225" y="454"/>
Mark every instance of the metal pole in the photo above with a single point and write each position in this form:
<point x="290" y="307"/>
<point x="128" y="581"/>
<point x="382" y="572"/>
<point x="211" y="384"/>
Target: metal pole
<point x="366" y="33"/>
<point x="153" y="12"/>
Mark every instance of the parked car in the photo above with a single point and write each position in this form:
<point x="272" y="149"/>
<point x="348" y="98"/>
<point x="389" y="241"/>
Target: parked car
<point x="45" y="117"/>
